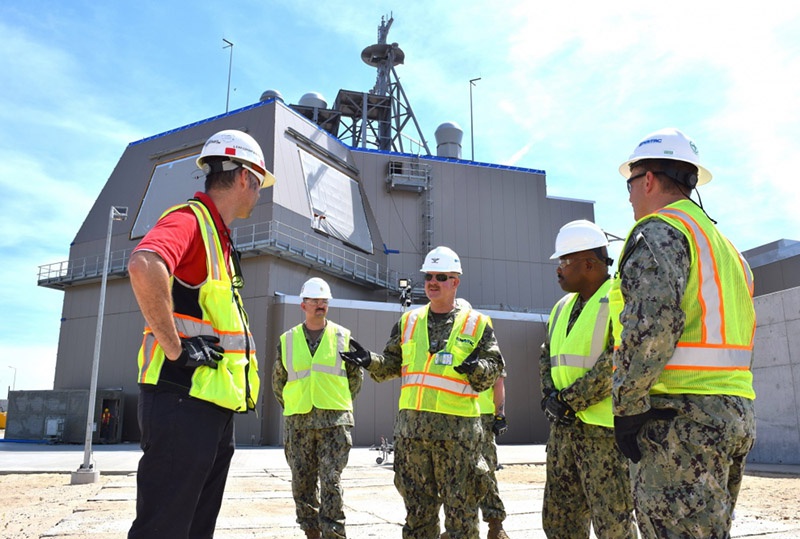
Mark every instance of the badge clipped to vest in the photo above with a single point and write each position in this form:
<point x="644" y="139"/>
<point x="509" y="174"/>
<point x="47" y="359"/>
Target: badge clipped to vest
<point x="443" y="358"/>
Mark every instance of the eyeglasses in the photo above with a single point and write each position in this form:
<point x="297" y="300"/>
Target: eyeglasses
<point x="641" y="174"/>
<point x="316" y="301"/>
<point x="635" y="177"/>
<point x="441" y="277"/>
<point x="257" y="176"/>
<point x="567" y="261"/>
<point x="252" y="179"/>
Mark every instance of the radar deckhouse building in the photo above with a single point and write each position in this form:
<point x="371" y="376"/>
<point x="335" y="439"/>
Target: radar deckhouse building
<point x="359" y="200"/>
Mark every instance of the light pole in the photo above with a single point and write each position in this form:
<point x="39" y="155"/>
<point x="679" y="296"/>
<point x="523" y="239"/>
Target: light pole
<point x="14" y="381"/>
<point x="230" y="65"/>
<point x="471" y="129"/>
<point x="87" y="473"/>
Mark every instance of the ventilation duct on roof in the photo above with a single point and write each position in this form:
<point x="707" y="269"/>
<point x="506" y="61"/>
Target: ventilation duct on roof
<point x="448" y="140"/>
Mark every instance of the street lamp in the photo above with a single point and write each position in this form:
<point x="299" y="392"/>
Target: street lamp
<point x="87" y="473"/>
<point x="14" y="382"/>
<point x="230" y="65"/>
<point x="471" y="129"/>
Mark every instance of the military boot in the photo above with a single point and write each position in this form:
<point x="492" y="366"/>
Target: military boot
<point x="496" y="530"/>
<point x="314" y="534"/>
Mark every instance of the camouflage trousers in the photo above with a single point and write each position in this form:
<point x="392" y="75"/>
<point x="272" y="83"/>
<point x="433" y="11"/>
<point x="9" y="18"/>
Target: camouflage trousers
<point x="430" y="473"/>
<point x="587" y="482"/>
<point x="688" y="480"/>
<point x="317" y="458"/>
<point x="491" y="505"/>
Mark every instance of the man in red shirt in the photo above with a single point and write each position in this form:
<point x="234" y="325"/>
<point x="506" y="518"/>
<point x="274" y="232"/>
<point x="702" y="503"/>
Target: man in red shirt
<point x="185" y="276"/>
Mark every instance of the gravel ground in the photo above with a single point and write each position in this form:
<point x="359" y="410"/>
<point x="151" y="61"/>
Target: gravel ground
<point x="47" y="505"/>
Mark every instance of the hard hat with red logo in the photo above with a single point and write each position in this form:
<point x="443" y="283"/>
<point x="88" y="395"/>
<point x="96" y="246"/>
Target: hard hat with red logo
<point x="239" y="149"/>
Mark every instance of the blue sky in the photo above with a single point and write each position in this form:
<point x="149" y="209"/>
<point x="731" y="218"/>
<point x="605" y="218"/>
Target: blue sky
<point x="567" y="88"/>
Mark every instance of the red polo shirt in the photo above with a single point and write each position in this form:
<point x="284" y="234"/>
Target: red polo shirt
<point x="176" y="238"/>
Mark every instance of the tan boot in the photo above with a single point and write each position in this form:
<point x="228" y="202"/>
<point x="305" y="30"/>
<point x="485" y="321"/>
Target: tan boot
<point x="496" y="530"/>
<point x="313" y="534"/>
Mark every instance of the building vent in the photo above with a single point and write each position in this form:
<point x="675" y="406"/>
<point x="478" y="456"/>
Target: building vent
<point x="269" y="94"/>
<point x="313" y="99"/>
<point x="448" y="140"/>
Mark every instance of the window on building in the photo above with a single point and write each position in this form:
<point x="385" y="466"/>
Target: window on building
<point x="336" y="204"/>
<point x="171" y="183"/>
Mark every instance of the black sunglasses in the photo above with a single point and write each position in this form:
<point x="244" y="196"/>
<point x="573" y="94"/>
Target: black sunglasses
<point x="441" y="277"/>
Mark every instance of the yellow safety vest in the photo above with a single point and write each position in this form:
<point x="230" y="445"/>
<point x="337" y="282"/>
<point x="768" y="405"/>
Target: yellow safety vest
<point x="714" y="353"/>
<point x="429" y="381"/>
<point x="234" y="385"/>
<point x="573" y="355"/>
<point x="318" y="381"/>
<point x="486" y="401"/>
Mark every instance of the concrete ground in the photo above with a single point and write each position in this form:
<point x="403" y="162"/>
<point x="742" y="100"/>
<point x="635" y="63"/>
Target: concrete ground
<point x="258" y="502"/>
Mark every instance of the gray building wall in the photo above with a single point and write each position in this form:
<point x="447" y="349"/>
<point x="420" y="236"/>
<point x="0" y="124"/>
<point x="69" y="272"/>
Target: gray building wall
<point x="776" y="376"/>
<point x="775" y="265"/>
<point x="499" y="221"/>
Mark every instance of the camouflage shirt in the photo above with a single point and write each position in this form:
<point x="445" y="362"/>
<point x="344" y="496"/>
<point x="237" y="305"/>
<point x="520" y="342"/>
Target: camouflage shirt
<point x="654" y="268"/>
<point x="432" y="425"/>
<point x="316" y="418"/>
<point x="594" y="385"/>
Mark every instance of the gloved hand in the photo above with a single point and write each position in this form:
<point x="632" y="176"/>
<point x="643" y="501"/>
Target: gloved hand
<point x="500" y="425"/>
<point x="558" y="411"/>
<point x="469" y="364"/>
<point x="552" y="393"/>
<point x="200" y="351"/>
<point x="626" y="429"/>
<point x="358" y="355"/>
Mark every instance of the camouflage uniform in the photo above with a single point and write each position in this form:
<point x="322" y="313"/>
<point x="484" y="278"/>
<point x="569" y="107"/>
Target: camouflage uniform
<point x="317" y="447"/>
<point x="587" y="475"/>
<point x="491" y="505"/>
<point x="688" y="479"/>
<point x="438" y="456"/>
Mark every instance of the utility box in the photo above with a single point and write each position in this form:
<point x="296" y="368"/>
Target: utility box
<point x="59" y="416"/>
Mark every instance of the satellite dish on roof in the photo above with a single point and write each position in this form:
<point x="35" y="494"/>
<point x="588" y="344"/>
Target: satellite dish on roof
<point x="380" y="53"/>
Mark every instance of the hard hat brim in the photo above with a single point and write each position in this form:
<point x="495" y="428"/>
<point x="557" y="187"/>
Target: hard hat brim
<point x="703" y="175"/>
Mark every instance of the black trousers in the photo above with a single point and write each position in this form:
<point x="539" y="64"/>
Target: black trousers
<point x="188" y="445"/>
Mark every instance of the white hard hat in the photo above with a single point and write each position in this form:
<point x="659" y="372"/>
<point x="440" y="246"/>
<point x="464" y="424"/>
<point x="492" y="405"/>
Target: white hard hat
<point x="441" y="260"/>
<point x="668" y="143"/>
<point x="240" y="149"/>
<point x="580" y="235"/>
<point x="316" y="288"/>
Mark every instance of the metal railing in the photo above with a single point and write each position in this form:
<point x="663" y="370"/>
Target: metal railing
<point x="312" y="250"/>
<point x="60" y="274"/>
<point x="272" y="237"/>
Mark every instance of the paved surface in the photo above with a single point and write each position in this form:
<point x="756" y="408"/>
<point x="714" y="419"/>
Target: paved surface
<point x="258" y="501"/>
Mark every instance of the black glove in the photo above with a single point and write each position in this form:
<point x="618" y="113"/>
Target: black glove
<point x="626" y="429"/>
<point x="468" y="365"/>
<point x="200" y="351"/>
<point x="500" y="425"/>
<point x="357" y="355"/>
<point x="552" y="393"/>
<point x="558" y="411"/>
